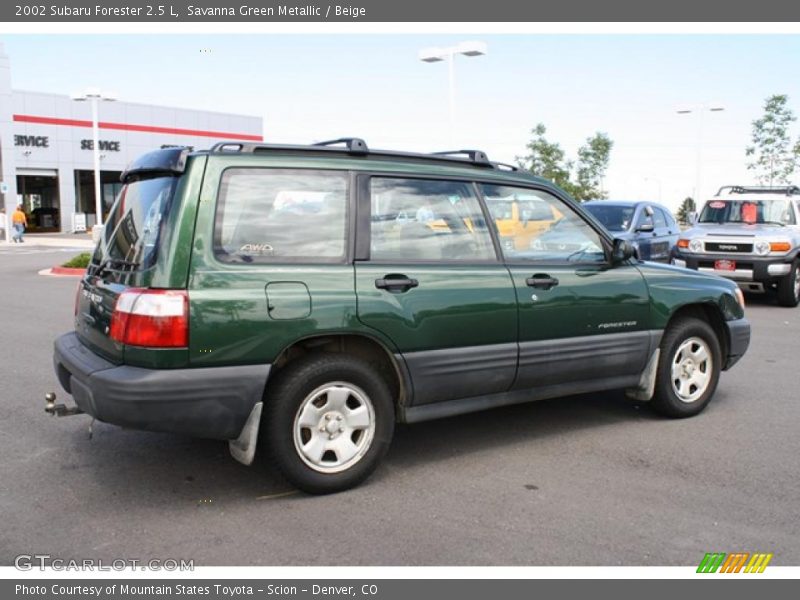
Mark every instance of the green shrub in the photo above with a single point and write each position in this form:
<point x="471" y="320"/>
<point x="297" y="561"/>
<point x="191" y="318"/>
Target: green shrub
<point x="78" y="262"/>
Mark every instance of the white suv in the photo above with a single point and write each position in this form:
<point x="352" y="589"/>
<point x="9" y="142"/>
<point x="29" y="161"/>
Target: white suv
<point x="750" y="235"/>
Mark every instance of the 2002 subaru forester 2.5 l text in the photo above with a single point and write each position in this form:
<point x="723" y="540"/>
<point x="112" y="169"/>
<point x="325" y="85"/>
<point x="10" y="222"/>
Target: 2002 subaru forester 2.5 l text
<point x="309" y="297"/>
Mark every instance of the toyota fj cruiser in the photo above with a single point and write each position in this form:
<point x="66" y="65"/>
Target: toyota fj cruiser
<point x="750" y="235"/>
<point x="296" y="297"/>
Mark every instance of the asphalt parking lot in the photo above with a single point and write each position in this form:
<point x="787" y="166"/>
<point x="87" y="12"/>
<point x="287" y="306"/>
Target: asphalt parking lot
<point x="589" y="480"/>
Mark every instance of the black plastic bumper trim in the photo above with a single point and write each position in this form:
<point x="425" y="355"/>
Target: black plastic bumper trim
<point x="739" y="338"/>
<point x="203" y="402"/>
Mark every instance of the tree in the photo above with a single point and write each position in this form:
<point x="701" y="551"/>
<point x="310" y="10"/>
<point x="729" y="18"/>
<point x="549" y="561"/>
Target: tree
<point x="593" y="158"/>
<point x="582" y="179"/>
<point x="685" y="211"/>
<point x="773" y="157"/>
<point x="546" y="159"/>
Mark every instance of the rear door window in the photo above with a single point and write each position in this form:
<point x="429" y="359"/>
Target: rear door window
<point x="427" y="220"/>
<point x="281" y="215"/>
<point x="660" y="219"/>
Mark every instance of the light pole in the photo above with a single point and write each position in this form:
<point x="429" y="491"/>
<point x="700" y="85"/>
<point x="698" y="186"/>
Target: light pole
<point x="94" y="97"/>
<point x="432" y="55"/>
<point x="701" y="110"/>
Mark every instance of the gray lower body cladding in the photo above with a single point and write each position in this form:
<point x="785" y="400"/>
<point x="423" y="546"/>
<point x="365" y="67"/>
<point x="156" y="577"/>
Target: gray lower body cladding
<point x="458" y="380"/>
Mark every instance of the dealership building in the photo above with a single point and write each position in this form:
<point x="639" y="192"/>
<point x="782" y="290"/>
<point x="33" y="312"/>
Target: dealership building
<point x="47" y="157"/>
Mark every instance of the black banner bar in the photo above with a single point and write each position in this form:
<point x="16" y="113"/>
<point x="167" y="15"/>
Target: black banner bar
<point x="440" y="11"/>
<point x="731" y="587"/>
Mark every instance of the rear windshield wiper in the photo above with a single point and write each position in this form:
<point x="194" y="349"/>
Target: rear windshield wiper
<point x="109" y="263"/>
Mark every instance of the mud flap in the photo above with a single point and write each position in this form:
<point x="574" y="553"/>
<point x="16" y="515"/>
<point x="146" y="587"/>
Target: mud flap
<point x="647" y="382"/>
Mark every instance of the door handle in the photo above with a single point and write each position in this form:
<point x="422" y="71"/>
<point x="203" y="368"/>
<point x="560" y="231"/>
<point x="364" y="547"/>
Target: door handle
<point x="396" y="283"/>
<point x="542" y="281"/>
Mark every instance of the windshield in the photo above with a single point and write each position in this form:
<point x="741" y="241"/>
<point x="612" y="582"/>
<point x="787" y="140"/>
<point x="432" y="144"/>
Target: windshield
<point x="747" y="211"/>
<point x="613" y="218"/>
<point x="133" y="227"/>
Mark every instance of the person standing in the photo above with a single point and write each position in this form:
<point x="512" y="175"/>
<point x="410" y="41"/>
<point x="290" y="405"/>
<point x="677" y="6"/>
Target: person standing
<point x="19" y="222"/>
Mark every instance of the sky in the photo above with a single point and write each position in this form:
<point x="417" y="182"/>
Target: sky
<point x="310" y="87"/>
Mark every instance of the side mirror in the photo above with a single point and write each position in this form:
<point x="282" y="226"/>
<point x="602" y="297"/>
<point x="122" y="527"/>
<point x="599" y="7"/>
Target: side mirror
<point x="693" y="218"/>
<point x="621" y="251"/>
<point x="646" y="227"/>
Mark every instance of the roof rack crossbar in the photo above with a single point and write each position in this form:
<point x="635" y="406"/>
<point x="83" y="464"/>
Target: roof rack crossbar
<point x="478" y="157"/>
<point x="354" y="145"/>
<point x="789" y="190"/>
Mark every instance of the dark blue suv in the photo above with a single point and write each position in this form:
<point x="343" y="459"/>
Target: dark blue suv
<point x="648" y="226"/>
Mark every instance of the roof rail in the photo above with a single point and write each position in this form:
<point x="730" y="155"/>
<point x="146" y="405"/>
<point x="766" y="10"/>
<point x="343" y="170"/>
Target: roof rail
<point x="476" y="156"/>
<point x="358" y="147"/>
<point x="354" y="145"/>
<point x="789" y="190"/>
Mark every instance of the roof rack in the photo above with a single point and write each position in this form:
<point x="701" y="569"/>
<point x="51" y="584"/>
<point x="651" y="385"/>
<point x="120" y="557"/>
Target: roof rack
<point x="789" y="190"/>
<point x="476" y="156"/>
<point x="358" y="147"/>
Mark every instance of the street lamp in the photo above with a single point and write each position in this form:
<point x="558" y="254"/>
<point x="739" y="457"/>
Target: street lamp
<point x="701" y="110"/>
<point x="94" y="97"/>
<point x="448" y="54"/>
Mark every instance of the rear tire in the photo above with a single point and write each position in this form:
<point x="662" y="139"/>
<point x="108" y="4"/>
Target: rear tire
<point x="688" y="368"/>
<point x="789" y="287"/>
<point x="328" y="422"/>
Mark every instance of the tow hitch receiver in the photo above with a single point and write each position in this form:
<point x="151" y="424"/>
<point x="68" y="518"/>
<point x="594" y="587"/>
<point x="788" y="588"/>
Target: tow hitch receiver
<point x="59" y="410"/>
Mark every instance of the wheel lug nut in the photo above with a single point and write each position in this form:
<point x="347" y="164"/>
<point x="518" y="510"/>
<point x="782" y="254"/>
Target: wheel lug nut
<point x="327" y="417"/>
<point x="339" y="418"/>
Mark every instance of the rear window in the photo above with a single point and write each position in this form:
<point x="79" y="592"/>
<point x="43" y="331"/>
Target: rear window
<point x="133" y="229"/>
<point x="281" y="215"/>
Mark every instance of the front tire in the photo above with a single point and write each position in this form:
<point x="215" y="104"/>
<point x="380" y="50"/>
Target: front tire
<point x="328" y="422"/>
<point x="688" y="368"/>
<point x="789" y="287"/>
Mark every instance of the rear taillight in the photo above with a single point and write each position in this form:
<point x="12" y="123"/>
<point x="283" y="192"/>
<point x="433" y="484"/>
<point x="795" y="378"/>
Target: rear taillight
<point x="151" y="318"/>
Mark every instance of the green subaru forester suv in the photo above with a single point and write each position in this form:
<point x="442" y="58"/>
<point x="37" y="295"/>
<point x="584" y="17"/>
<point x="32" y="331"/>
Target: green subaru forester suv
<point x="306" y="298"/>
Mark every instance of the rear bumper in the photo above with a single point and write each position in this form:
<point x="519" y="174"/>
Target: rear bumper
<point x="207" y="402"/>
<point x="739" y="341"/>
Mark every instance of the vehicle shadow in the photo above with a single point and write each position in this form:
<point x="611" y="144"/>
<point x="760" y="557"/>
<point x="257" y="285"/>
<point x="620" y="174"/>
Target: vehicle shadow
<point x="535" y="421"/>
<point x="765" y="299"/>
<point x="133" y="465"/>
